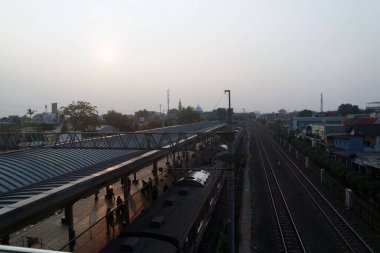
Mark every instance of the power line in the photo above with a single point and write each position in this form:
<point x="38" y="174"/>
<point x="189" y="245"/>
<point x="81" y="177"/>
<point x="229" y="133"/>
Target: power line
<point x="24" y="106"/>
<point x="223" y="94"/>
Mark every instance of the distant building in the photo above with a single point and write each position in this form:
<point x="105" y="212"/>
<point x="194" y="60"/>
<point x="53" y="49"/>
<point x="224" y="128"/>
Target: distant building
<point x="6" y="125"/>
<point x="353" y="140"/>
<point x="368" y="137"/>
<point x="198" y="109"/>
<point x="143" y="117"/>
<point x="45" y="118"/>
<point x="303" y="122"/>
<point x="208" y="115"/>
<point x="54" y="108"/>
<point x="257" y="113"/>
<point x="373" y="106"/>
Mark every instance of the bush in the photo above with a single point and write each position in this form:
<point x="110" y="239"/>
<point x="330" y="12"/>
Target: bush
<point x="353" y="179"/>
<point x="373" y="187"/>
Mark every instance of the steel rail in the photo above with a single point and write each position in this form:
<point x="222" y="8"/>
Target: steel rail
<point x="347" y="241"/>
<point x="288" y="220"/>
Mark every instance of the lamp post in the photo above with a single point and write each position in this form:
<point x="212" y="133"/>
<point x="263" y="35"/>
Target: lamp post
<point x="230" y="181"/>
<point x="244" y="118"/>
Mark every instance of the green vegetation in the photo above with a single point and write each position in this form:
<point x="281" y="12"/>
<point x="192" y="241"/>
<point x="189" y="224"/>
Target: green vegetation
<point x="221" y="246"/>
<point x="345" y="109"/>
<point x="30" y="112"/>
<point x="118" y="120"/>
<point x="81" y="115"/>
<point x="363" y="185"/>
<point x="188" y="115"/>
<point x="305" y="113"/>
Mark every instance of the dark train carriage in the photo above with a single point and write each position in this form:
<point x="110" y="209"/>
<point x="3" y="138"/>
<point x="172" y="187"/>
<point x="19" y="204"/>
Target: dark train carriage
<point x="177" y="221"/>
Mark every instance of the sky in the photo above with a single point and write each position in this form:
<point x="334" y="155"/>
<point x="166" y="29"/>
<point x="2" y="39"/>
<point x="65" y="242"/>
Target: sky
<point x="124" y="55"/>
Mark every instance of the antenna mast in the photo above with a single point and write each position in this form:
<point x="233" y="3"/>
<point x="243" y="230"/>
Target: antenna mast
<point x="168" y="100"/>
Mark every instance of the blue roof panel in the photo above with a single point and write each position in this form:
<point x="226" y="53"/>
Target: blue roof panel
<point x="19" y="169"/>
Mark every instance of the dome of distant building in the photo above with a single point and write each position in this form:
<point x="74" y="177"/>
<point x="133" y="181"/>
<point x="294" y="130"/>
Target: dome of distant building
<point x="198" y="109"/>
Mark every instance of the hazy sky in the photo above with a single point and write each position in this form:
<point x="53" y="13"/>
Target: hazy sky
<point x="124" y="55"/>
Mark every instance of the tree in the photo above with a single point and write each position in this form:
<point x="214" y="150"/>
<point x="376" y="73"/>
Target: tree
<point x="118" y="120"/>
<point x="82" y="116"/>
<point x="155" y="122"/>
<point x="188" y="115"/>
<point x="305" y="113"/>
<point x="30" y="112"/>
<point x="142" y="115"/>
<point x="345" y="109"/>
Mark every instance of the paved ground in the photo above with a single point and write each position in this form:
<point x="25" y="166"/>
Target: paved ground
<point x="51" y="234"/>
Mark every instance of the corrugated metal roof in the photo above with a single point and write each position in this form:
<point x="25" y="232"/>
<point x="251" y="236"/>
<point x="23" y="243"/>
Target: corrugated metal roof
<point x="19" y="169"/>
<point x="33" y="189"/>
<point x="29" y="172"/>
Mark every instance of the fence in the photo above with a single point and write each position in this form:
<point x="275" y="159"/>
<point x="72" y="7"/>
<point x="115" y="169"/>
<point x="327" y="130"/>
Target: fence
<point x="365" y="210"/>
<point x="89" y="219"/>
<point x="96" y="231"/>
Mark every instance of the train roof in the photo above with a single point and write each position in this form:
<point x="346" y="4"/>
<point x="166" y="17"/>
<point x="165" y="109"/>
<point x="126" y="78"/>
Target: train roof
<point x="171" y="217"/>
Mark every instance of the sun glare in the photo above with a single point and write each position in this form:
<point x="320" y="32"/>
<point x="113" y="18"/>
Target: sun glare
<point x="106" y="54"/>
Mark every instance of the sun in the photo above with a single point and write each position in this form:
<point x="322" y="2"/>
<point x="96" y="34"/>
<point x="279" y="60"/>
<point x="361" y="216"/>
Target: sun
<point x="106" y="54"/>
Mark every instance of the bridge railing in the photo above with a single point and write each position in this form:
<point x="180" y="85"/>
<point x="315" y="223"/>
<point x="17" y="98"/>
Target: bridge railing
<point x="95" y="140"/>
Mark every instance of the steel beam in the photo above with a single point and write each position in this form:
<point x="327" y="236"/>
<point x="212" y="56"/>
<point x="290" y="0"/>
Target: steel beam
<point x="85" y="140"/>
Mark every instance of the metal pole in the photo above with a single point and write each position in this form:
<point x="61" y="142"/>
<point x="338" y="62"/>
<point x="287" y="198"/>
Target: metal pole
<point x="230" y="181"/>
<point x="244" y="122"/>
<point x="70" y="222"/>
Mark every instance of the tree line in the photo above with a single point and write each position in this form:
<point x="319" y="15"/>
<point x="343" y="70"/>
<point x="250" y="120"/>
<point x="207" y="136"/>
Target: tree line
<point x="343" y="110"/>
<point x="82" y="116"/>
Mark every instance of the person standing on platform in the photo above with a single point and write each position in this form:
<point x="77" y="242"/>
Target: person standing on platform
<point x="150" y="184"/>
<point x="96" y="196"/>
<point x="155" y="192"/>
<point x="109" y="220"/>
<point x="112" y="194"/>
<point x="144" y="189"/>
<point x="119" y="207"/>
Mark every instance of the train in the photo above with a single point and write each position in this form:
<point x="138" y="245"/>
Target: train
<point x="177" y="221"/>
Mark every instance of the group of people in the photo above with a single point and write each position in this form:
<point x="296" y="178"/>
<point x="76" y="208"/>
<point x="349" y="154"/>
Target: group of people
<point x="120" y="210"/>
<point x="109" y="190"/>
<point x="109" y="193"/>
<point x="150" y="188"/>
<point x="126" y="184"/>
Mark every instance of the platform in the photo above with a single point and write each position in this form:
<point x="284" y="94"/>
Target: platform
<point x="52" y="234"/>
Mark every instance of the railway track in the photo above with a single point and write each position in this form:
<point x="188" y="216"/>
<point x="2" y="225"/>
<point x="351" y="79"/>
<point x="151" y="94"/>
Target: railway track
<point x="289" y="235"/>
<point x="352" y="240"/>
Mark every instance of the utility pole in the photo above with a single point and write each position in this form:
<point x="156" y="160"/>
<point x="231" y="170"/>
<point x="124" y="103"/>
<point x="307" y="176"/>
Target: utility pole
<point x="167" y="94"/>
<point x="230" y="181"/>
<point x="321" y="102"/>
<point x="244" y="122"/>
<point x="162" y="117"/>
